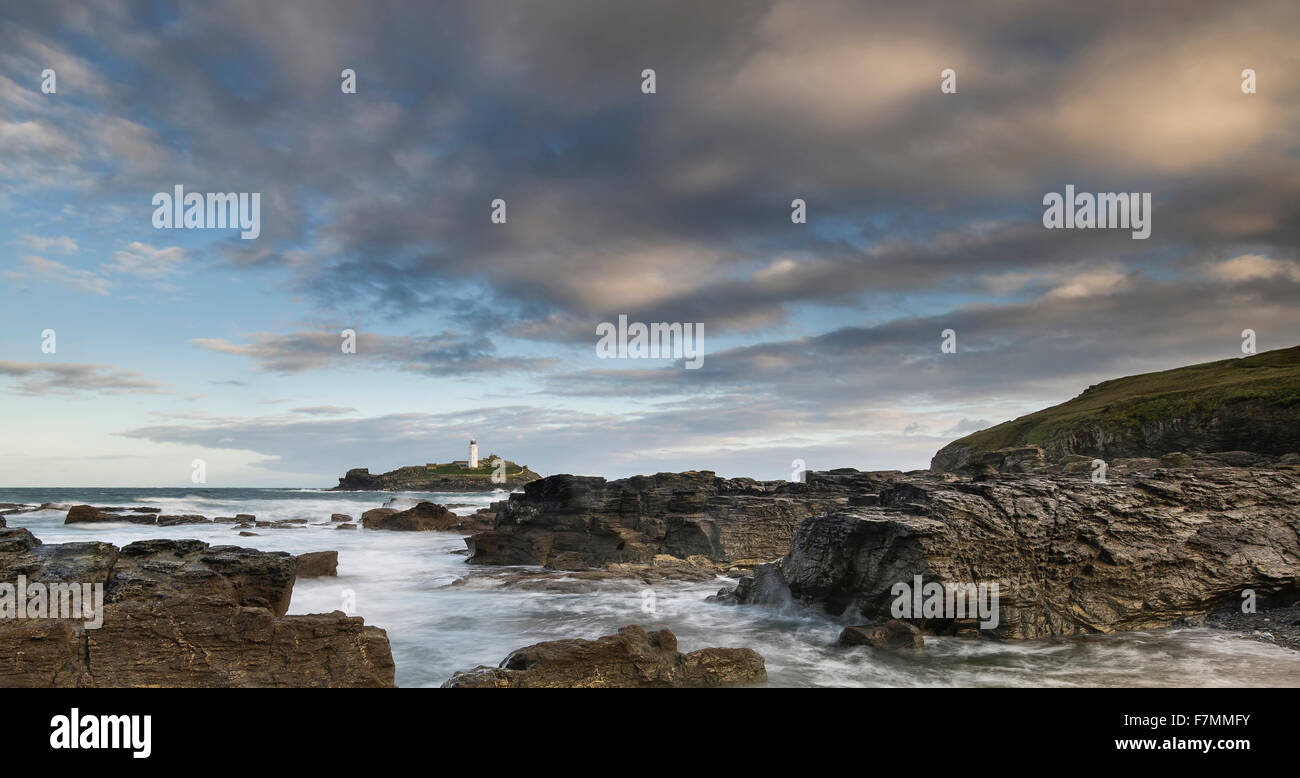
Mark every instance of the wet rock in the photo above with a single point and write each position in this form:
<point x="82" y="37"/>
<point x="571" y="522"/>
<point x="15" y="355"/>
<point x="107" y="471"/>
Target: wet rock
<point x="346" y="526"/>
<point x="892" y="634"/>
<point x="180" y="613"/>
<point x="336" y="517"/>
<point x="568" y="522"/>
<point x="426" y="516"/>
<point x="1069" y="555"/>
<point x="633" y="658"/>
<point x="87" y="514"/>
<point x="315" y="564"/>
<point x="189" y="518"/>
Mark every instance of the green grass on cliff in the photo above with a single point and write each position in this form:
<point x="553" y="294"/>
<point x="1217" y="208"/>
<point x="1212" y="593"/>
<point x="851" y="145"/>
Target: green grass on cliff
<point x="1270" y="379"/>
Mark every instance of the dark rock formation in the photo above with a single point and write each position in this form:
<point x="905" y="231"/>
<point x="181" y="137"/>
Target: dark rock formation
<point x="315" y="564"/>
<point x="631" y="659"/>
<point x="891" y="634"/>
<point x="425" y="516"/>
<point x="576" y="522"/>
<point x="180" y="613"/>
<point x="81" y="514"/>
<point x="338" y="517"/>
<point x="1150" y="548"/>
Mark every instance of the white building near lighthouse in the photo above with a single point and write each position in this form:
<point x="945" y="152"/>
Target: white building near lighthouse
<point x="473" y="453"/>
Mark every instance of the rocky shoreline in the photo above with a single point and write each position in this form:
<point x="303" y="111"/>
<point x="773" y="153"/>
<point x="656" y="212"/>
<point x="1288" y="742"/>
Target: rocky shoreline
<point x="1153" y="547"/>
<point x="181" y="613"/>
<point x="1161" y="541"/>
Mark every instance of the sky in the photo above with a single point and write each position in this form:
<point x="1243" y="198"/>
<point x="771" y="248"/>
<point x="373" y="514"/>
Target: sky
<point x="822" y="341"/>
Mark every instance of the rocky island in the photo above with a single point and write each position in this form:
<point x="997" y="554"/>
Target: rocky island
<point x="464" y="475"/>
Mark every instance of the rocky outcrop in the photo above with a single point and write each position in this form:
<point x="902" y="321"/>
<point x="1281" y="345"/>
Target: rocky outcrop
<point x="633" y="658"/>
<point x="572" y="522"/>
<point x="85" y="514"/>
<point x="422" y="479"/>
<point x="1234" y="405"/>
<point x="315" y="564"/>
<point x="180" y="613"/>
<point x="426" y="516"/>
<point x="1150" y="548"/>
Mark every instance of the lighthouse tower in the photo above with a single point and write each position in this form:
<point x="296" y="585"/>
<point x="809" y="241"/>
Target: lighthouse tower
<point x="473" y="453"/>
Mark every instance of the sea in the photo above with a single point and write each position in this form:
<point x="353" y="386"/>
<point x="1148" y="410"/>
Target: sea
<point x="443" y="615"/>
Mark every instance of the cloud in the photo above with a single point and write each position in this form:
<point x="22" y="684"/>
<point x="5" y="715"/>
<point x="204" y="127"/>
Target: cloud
<point x="448" y="353"/>
<point x="57" y="272"/>
<point x="325" y="410"/>
<point x="144" y="261"/>
<point x="61" y="244"/>
<point x="37" y="378"/>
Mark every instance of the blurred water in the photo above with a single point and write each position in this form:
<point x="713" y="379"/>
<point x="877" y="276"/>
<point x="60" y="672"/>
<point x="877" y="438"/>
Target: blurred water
<point x="413" y="584"/>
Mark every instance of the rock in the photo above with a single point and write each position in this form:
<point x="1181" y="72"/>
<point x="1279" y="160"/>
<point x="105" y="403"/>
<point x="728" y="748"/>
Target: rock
<point x="245" y="517"/>
<point x="340" y="517"/>
<point x="249" y="535"/>
<point x="171" y="521"/>
<point x="578" y="522"/>
<point x="632" y="658"/>
<point x="86" y="514"/>
<point x="1069" y="555"/>
<point x="425" y="516"/>
<point x="180" y="613"/>
<point x="315" y="564"/>
<point x="891" y="634"/>
<point x="346" y="526"/>
<point x="150" y="570"/>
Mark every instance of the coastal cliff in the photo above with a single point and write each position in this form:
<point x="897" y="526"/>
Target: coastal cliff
<point x="1248" y="404"/>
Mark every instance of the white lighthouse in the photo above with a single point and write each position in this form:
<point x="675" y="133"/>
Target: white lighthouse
<point x="473" y="453"/>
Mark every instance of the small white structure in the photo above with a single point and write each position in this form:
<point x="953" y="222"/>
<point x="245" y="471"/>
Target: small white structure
<point x="473" y="453"/>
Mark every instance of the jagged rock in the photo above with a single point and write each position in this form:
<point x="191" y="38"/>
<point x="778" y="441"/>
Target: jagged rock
<point x="891" y="634"/>
<point x="631" y="659"/>
<point x="1069" y="555"/>
<point x="150" y="570"/>
<point x="315" y="564"/>
<point x="180" y="613"/>
<point x="569" y="522"/>
<point x="425" y="516"/>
